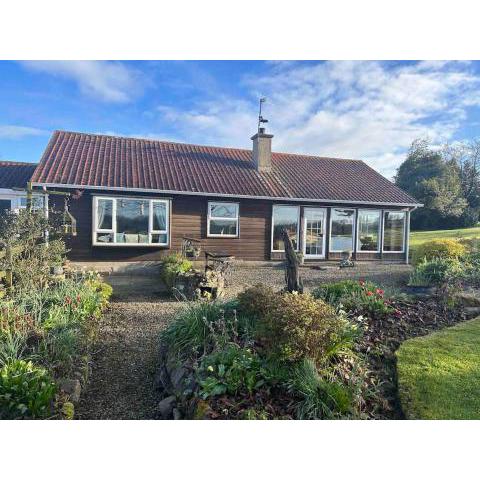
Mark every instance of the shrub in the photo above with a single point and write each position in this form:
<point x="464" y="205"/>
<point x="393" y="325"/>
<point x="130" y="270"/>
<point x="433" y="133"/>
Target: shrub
<point x="256" y="301"/>
<point x="436" y="271"/>
<point x="321" y="398"/>
<point x="26" y="391"/>
<point x="203" y="326"/>
<point x="174" y="265"/>
<point x="231" y="370"/>
<point x="445" y="249"/>
<point x="299" y="326"/>
<point x="12" y="346"/>
<point x="357" y="297"/>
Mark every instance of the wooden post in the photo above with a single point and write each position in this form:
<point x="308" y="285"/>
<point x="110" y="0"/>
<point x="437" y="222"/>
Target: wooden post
<point x="407" y="235"/>
<point x="8" y="271"/>
<point x="292" y="277"/>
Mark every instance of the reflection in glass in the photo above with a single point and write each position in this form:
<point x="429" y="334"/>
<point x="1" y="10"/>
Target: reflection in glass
<point x="341" y="236"/>
<point x="132" y="221"/>
<point x="104" y="214"/>
<point x="285" y="217"/>
<point x="394" y="231"/>
<point x="368" y="230"/>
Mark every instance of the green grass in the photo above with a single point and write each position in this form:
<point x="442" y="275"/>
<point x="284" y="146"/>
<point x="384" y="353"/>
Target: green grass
<point x="439" y="374"/>
<point x="417" y="238"/>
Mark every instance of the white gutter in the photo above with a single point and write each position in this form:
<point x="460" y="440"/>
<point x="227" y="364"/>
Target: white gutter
<point x="228" y="195"/>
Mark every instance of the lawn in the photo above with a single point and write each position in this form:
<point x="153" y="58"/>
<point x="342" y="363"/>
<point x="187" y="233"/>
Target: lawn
<point x="439" y="374"/>
<point x="417" y="238"/>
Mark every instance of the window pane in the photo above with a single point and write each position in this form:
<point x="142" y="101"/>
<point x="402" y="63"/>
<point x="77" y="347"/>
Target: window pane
<point x="394" y="231"/>
<point x="104" y="214"/>
<point x="285" y="217"/>
<point x="368" y="228"/>
<point x="132" y="220"/>
<point x="104" y="237"/>
<point x="223" y="210"/>
<point x="5" y="205"/>
<point x="159" y="216"/>
<point x="159" y="238"/>
<point x="341" y="238"/>
<point x="223" y="227"/>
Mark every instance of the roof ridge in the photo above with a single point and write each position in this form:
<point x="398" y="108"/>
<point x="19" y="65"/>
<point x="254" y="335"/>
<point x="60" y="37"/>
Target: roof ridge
<point x="153" y="140"/>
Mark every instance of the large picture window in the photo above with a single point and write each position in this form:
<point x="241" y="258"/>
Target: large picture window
<point x="285" y="216"/>
<point x="222" y="219"/>
<point x="368" y="230"/>
<point x="130" y="221"/>
<point x="394" y="232"/>
<point x="341" y="229"/>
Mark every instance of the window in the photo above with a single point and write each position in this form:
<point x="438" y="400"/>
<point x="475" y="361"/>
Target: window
<point x="5" y="205"/>
<point x="368" y="231"/>
<point x="393" y="231"/>
<point x="284" y="216"/>
<point x="222" y="219"/>
<point x="130" y="221"/>
<point x="341" y="229"/>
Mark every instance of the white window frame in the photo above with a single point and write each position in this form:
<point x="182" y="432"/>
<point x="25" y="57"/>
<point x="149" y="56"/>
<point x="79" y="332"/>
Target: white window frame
<point x="369" y="210"/>
<point x="209" y="218"/>
<point x="304" y="236"/>
<point x="404" y="230"/>
<point x="113" y="230"/>
<point x="354" y="210"/>
<point x="298" y="227"/>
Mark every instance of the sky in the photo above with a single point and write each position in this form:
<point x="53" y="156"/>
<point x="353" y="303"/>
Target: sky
<point x="349" y="109"/>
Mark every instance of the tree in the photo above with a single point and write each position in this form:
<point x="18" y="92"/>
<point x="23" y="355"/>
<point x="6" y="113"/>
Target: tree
<point x="436" y="182"/>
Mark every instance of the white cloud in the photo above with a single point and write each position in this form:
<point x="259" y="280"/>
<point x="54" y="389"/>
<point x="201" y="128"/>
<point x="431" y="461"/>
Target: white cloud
<point x="367" y="110"/>
<point x="107" y="81"/>
<point x="15" y="132"/>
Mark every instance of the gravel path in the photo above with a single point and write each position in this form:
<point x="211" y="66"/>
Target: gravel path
<point x="125" y="360"/>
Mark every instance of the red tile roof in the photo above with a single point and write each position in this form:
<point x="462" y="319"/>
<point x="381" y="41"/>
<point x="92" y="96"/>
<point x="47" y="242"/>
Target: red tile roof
<point x="15" y="174"/>
<point x="80" y="159"/>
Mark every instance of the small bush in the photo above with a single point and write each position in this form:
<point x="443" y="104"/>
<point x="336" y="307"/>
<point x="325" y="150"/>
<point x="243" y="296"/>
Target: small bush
<point x="26" y="391"/>
<point x="299" y="326"/>
<point x="446" y="249"/>
<point x="256" y="301"/>
<point x="436" y="271"/>
<point x="231" y="370"/>
<point x="174" y="265"/>
<point x="356" y="297"/>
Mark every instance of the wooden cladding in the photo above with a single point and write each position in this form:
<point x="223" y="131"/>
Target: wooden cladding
<point x="188" y="218"/>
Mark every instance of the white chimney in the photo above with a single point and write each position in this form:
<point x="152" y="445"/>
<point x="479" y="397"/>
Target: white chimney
<point x="262" y="150"/>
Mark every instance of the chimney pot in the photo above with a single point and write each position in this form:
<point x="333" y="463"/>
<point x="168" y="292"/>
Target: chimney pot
<point x="262" y="150"/>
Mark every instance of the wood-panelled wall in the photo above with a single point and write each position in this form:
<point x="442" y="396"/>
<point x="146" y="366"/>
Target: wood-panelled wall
<point x="188" y="218"/>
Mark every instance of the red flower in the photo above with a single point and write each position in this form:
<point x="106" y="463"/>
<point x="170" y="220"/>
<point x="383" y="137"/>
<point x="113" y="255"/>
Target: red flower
<point x="380" y="291"/>
<point x="369" y="293"/>
<point x="68" y="300"/>
<point x="78" y="298"/>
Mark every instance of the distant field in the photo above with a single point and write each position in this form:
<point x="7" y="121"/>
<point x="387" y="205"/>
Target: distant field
<point x="416" y="238"/>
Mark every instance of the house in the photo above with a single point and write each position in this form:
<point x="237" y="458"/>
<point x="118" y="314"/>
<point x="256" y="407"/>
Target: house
<point x="136" y="199"/>
<point x="14" y="177"/>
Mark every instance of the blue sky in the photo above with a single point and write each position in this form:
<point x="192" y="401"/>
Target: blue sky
<point x="367" y="110"/>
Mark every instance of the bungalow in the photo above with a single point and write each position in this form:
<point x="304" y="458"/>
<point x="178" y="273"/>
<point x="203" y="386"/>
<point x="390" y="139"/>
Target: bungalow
<point x="136" y="199"/>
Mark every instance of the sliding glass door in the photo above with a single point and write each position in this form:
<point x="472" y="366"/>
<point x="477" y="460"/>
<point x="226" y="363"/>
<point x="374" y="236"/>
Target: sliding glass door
<point x="314" y="233"/>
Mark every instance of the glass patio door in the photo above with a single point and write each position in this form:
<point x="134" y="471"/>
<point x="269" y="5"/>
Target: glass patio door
<point x="314" y="233"/>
